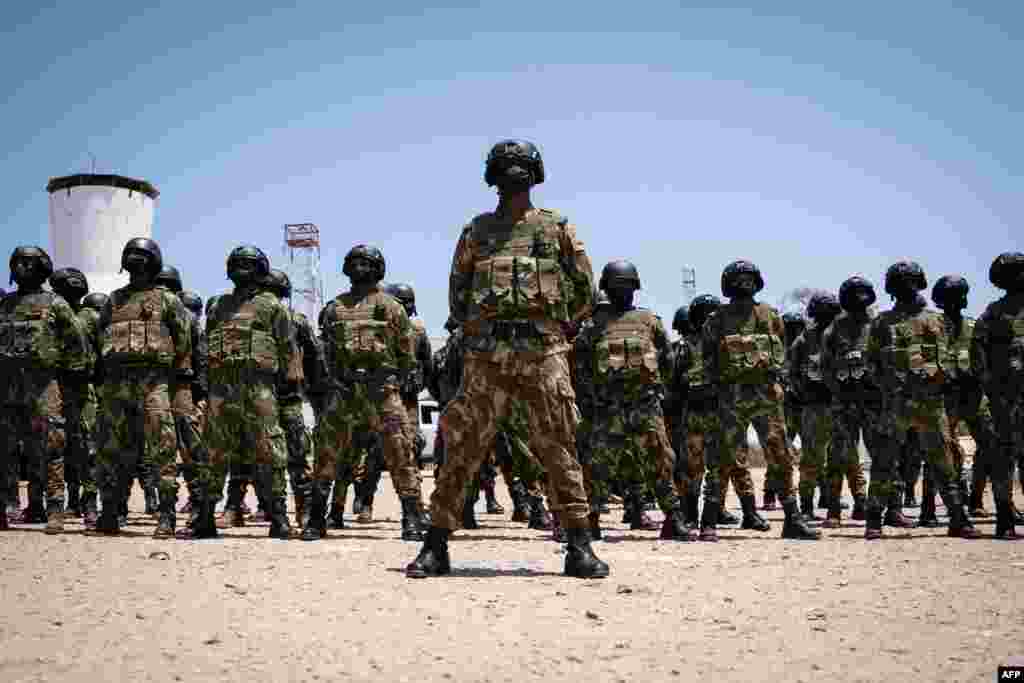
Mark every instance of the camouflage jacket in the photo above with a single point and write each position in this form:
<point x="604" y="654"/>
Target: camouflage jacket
<point x="623" y="358"/>
<point x="959" y="373"/>
<point x="145" y="328"/>
<point x="742" y="343"/>
<point x="907" y="349"/>
<point x="367" y="338"/>
<point x="89" y="322"/>
<point x="534" y="271"/>
<point x="39" y="330"/>
<point x="200" y="363"/>
<point x="249" y="330"/>
<point x="997" y="347"/>
<point x="804" y="365"/>
<point x="844" y="360"/>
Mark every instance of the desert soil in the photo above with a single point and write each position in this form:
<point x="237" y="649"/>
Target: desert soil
<point x="916" y="606"/>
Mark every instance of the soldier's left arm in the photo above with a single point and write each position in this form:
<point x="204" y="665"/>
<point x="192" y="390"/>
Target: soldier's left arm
<point x="179" y="323"/>
<point x="942" y="342"/>
<point x="289" y="359"/>
<point x="72" y="337"/>
<point x="576" y="264"/>
<point x="404" y="336"/>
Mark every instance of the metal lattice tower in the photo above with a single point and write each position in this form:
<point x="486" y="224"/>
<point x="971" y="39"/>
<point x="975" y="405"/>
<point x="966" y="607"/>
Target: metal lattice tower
<point x="689" y="284"/>
<point x="302" y="253"/>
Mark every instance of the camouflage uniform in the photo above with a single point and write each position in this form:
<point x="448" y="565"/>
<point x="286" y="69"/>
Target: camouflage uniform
<point x="807" y="381"/>
<point x="253" y="356"/>
<point x="856" y="406"/>
<point x="293" y="421"/>
<point x="146" y="347"/>
<point x="40" y="341"/>
<point x="625" y="355"/>
<point x="80" y="412"/>
<point x="190" y="421"/>
<point x="997" y="361"/>
<point x="907" y="351"/>
<point x="744" y="356"/>
<point x="368" y="349"/>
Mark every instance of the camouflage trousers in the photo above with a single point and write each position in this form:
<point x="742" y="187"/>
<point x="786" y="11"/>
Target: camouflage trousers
<point x="528" y="397"/>
<point x="911" y="422"/>
<point x="632" y="446"/>
<point x="740" y="405"/>
<point x="80" y="409"/>
<point x="703" y="434"/>
<point x="243" y="426"/>
<point x="793" y="411"/>
<point x="1000" y="421"/>
<point x="136" y="426"/>
<point x="31" y="412"/>
<point x="815" y="437"/>
<point x="299" y="443"/>
<point x="351" y="422"/>
<point x="851" y="418"/>
<point x="414" y="436"/>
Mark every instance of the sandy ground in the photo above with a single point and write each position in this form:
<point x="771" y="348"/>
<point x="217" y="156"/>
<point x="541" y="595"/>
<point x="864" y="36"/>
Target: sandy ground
<point x="750" y="608"/>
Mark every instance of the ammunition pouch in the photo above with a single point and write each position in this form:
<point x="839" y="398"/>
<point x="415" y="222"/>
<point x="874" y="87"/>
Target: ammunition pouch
<point x="522" y="335"/>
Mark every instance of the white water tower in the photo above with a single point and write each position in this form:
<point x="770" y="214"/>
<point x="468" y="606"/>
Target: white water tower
<point x="92" y="217"/>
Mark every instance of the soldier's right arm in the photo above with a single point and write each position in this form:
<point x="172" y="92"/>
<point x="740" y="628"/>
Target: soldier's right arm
<point x="288" y="355"/>
<point x="461" y="278"/>
<point x="709" y="349"/>
<point x="981" y="364"/>
<point x="73" y="341"/>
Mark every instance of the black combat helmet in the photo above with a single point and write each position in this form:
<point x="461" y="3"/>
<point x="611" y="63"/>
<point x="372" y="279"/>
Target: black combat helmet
<point x="405" y="294"/>
<point x="732" y="272"/>
<point x="192" y="301"/>
<point x="517" y="161"/>
<point x="849" y="287"/>
<point x="823" y="307"/>
<point x="69" y="283"/>
<point x="210" y="303"/>
<point x="950" y="289"/>
<point x="247" y="252"/>
<point x="681" y="320"/>
<point x="909" y="272"/>
<point x="622" y="271"/>
<point x="40" y="256"/>
<point x="279" y="283"/>
<point x="371" y="254"/>
<point x="148" y="247"/>
<point x="701" y="309"/>
<point x="170" y="278"/>
<point x="1007" y="270"/>
<point x="97" y="301"/>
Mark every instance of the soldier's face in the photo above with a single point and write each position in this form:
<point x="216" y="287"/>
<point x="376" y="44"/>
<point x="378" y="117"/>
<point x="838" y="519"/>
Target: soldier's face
<point x="746" y="283"/>
<point x="24" y="269"/>
<point x="620" y="294"/>
<point x="862" y="298"/>
<point x="360" y="269"/>
<point x="136" y="261"/>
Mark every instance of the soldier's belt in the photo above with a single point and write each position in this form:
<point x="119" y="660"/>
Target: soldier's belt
<point x="238" y="374"/>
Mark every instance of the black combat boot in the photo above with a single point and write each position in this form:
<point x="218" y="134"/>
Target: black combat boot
<point x="517" y="492"/>
<point x="751" y="519"/>
<point x="411" y="530"/>
<point x="540" y="519"/>
<point x="108" y="523"/>
<point x="873" y="527"/>
<point x="280" y="527"/>
<point x="674" y="527"/>
<point x="639" y="520"/>
<point x="433" y="559"/>
<point x="709" y="521"/>
<point x="894" y="516"/>
<point x="594" y="522"/>
<point x="794" y="525"/>
<point x="726" y="518"/>
<point x="469" y="514"/>
<point x="166" y="521"/>
<point x="337" y="507"/>
<point x="233" y="515"/>
<point x="859" y="509"/>
<point x="807" y="508"/>
<point x="1005" y="530"/>
<point x="201" y="523"/>
<point x="152" y="498"/>
<point x="580" y="560"/>
<point x="960" y="525"/>
<point x="89" y="511"/>
<point x="927" y="519"/>
<point x="768" y="500"/>
<point x="316" y="521"/>
<point x="493" y="508"/>
<point x="4" y="524"/>
<point x="74" y="507"/>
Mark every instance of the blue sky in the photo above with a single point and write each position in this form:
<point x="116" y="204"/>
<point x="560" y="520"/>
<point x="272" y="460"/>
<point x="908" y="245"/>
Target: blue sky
<point x="818" y="139"/>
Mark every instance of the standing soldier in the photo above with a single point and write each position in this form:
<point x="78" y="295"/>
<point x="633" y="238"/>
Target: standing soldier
<point x="41" y="348"/>
<point x="89" y="314"/>
<point x="146" y="350"/>
<point x="807" y="382"/>
<point x="856" y="397"/>
<point x="368" y="348"/>
<point x="253" y="358"/>
<point x="190" y="427"/>
<point x="744" y="357"/>
<point x="520" y="283"/>
<point x="71" y="285"/>
<point x="290" y="400"/>
<point x="626" y="354"/>
<point x="907" y="352"/>
<point x="794" y="323"/>
<point x="997" y="360"/>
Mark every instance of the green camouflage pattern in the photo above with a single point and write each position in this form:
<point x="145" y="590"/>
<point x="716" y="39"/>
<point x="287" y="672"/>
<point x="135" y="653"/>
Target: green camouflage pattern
<point x="997" y="360"/>
<point x="146" y="328"/>
<point x="742" y="343"/>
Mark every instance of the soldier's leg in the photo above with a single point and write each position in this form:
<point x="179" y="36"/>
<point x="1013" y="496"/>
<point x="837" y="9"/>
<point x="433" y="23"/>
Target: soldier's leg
<point x="8" y="447"/>
<point x="928" y="420"/>
<point x="294" y="425"/>
<point x="703" y="435"/>
<point x="655" y="447"/>
<point x="262" y="430"/>
<point x="391" y="421"/>
<point x="809" y="420"/>
<point x="115" y="440"/>
<point x="733" y="421"/>
<point x="516" y="490"/>
<point x="161" y="447"/>
<point x="770" y="425"/>
<point x="1002" y="422"/>
<point x="744" y="485"/>
<point x="75" y="451"/>
<point x="335" y="458"/>
<point x="49" y="440"/>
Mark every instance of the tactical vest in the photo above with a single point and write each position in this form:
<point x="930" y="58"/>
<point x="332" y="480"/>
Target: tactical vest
<point x="242" y="341"/>
<point x="26" y="333"/>
<point x="695" y="374"/>
<point x="517" y="273"/>
<point x="752" y="352"/>
<point x="137" y="334"/>
<point x="625" y="348"/>
<point x="851" y="342"/>
<point x="959" y="351"/>
<point x="913" y="351"/>
<point x="362" y="334"/>
<point x="810" y="369"/>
